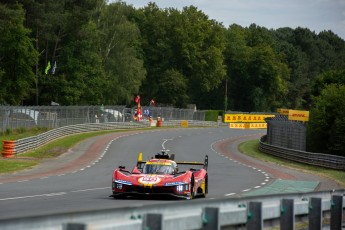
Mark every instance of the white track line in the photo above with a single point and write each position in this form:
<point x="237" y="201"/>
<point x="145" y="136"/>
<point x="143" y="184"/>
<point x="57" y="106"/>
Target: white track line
<point x="23" y="197"/>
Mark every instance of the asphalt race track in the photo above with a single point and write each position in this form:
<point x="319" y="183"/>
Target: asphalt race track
<point x="88" y="188"/>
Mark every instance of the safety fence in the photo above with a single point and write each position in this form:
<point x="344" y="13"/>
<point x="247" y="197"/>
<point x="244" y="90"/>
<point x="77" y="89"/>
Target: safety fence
<point x="318" y="159"/>
<point x="14" y="117"/>
<point x="10" y="148"/>
<point x="316" y="210"/>
<point x="285" y="133"/>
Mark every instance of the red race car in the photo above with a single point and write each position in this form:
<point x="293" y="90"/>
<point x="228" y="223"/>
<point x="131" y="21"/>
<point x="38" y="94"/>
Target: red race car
<point x="161" y="175"/>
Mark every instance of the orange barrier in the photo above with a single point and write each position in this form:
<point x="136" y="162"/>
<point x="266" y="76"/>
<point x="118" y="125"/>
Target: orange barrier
<point x="159" y="122"/>
<point x="8" y="149"/>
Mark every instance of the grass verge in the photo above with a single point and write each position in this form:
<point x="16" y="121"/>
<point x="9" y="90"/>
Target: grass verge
<point x="251" y="148"/>
<point x="20" y="133"/>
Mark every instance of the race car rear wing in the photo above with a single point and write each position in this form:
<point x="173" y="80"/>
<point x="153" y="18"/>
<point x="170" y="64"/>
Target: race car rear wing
<point x="204" y="164"/>
<point x="163" y="155"/>
<point x="141" y="163"/>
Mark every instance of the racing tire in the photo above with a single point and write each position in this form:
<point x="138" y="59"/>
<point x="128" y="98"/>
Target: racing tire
<point x="206" y="187"/>
<point x="191" y="196"/>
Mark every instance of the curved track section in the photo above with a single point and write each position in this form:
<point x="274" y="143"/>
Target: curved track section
<point x="86" y="185"/>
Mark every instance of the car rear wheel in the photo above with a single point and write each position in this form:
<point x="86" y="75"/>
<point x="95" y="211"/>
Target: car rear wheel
<point x="206" y="187"/>
<point x="191" y="196"/>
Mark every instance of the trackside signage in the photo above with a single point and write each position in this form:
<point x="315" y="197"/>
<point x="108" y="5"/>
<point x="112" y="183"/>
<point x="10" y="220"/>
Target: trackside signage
<point x="184" y="124"/>
<point x="250" y="118"/>
<point x="298" y="115"/>
<point x="283" y="111"/>
<point x="248" y="125"/>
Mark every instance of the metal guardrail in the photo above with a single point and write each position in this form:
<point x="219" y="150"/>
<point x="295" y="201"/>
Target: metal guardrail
<point x="318" y="159"/>
<point x="252" y="213"/>
<point x="26" y="144"/>
<point x="29" y="143"/>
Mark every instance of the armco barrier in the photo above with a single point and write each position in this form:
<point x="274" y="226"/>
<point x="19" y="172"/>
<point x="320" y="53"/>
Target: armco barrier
<point x="252" y="213"/>
<point x="318" y="159"/>
<point x="26" y="144"/>
<point x="29" y="143"/>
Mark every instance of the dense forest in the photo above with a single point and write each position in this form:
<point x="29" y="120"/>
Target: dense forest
<point x="93" y="52"/>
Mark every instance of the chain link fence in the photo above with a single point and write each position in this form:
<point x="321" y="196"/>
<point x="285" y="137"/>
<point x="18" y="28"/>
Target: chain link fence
<point x="285" y="133"/>
<point x="14" y="117"/>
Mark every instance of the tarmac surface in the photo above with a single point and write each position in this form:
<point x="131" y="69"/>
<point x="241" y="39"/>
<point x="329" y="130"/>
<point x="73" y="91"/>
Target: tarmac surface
<point x="286" y="179"/>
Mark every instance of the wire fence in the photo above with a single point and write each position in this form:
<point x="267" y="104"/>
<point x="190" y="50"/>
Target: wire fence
<point x="15" y="117"/>
<point x="287" y="134"/>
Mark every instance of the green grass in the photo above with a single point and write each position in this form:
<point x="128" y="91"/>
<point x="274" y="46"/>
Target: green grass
<point x="57" y="147"/>
<point x="251" y="148"/>
<point x="20" y="133"/>
<point x="8" y="166"/>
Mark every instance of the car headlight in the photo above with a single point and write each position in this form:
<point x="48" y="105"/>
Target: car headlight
<point x="118" y="183"/>
<point x="118" y="186"/>
<point x="182" y="187"/>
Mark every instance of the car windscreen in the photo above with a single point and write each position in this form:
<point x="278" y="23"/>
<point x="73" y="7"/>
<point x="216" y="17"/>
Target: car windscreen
<point x="158" y="169"/>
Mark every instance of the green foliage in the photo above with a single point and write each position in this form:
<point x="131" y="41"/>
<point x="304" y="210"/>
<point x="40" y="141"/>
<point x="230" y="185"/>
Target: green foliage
<point x="307" y="56"/>
<point x="212" y="115"/>
<point x="327" y="78"/>
<point x="17" y="56"/>
<point x="175" y="89"/>
<point x="186" y="42"/>
<point x="258" y="76"/>
<point x="84" y="65"/>
<point x="108" y="52"/>
<point x="120" y="50"/>
<point x="326" y="127"/>
<point x="8" y="131"/>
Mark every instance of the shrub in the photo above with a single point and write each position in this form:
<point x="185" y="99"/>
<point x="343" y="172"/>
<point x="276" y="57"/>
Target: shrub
<point x="326" y="126"/>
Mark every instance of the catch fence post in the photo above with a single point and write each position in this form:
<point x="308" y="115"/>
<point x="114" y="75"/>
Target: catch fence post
<point x="254" y="216"/>
<point x="315" y="213"/>
<point x="287" y="214"/>
<point x="336" y="212"/>
<point x="74" y="226"/>
<point x="152" y="222"/>
<point x="210" y="219"/>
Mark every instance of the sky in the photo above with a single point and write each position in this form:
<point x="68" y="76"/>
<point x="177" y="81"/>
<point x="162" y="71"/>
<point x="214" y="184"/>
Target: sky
<point x="316" y="15"/>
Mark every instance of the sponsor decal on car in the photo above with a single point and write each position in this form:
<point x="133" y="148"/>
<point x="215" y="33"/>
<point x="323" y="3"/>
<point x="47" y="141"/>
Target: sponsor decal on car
<point x="149" y="180"/>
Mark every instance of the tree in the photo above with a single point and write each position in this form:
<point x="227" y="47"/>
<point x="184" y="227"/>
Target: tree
<point x="326" y="127"/>
<point x="298" y="83"/>
<point x="200" y="43"/>
<point x="157" y="53"/>
<point x="327" y="78"/>
<point x="174" y="89"/>
<point x="73" y="40"/>
<point x="83" y="63"/>
<point x="257" y="73"/>
<point x="17" y="56"/>
<point x="307" y="55"/>
<point x="185" y="41"/>
<point x="121" y="54"/>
